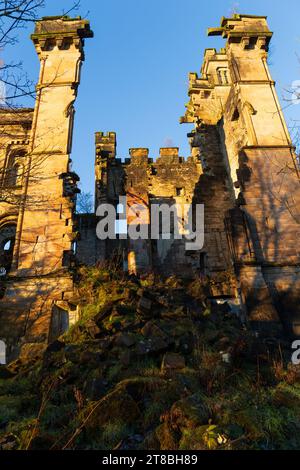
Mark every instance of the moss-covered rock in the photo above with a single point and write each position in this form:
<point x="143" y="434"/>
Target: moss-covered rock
<point x="116" y="406"/>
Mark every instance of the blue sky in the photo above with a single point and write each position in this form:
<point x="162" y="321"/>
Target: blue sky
<point x="135" y="77"/>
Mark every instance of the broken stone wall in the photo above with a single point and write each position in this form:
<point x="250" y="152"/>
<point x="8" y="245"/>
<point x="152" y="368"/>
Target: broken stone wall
<point x="89" y="249"/>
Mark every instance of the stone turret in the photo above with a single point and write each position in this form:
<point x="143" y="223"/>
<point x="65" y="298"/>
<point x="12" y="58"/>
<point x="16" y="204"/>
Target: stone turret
<point x="235" y="109"/>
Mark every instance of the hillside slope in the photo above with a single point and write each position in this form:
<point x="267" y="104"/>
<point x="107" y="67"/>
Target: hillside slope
<point x="152" y="364"/>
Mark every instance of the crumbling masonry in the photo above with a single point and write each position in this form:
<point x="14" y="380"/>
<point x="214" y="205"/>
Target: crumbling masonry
<point x="242" y="167"/>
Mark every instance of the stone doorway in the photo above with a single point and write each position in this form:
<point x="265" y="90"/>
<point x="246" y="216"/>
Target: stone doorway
<point x="59" y="323"/>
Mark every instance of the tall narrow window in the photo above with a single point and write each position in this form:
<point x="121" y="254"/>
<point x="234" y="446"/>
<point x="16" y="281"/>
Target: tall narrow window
<point x="222" y="73"/>
<point x="15" y="170"/>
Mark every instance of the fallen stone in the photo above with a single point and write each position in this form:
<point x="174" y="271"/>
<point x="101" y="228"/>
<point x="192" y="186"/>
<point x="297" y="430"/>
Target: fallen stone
<point x="179" y="312"/>
<point x="92" y="329"/>
<point x="125" y="358"/>
<point x="104" y="343"/>
<point x="105" y="312"/>
<point x="8" y="442"/>
<point x="125" y="339"/>
<point x="176" y="328"/>
<point x="128" y="293"/>
<point x="139" y="387"/>
<point x="72" y="353"/>
<point x="144" y="306"/>
<point x="189" y="413"/>
<point x="151" y="329"/>
<point x="185" y="343"/>
<point x="117" y="406"/>
<point x="56" y="346"/>
<point x="95" y="388"/>
<point x="151" y="345"/>
<point x="91" y="357"/>
<point x="172" y="361"/>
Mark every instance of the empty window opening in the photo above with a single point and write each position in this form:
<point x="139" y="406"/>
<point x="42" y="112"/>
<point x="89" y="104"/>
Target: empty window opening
<point x="223" y="76"/>
<point x="7" y="242"/>
<point x="180" y="192"/>
<point x="59" y="323"/>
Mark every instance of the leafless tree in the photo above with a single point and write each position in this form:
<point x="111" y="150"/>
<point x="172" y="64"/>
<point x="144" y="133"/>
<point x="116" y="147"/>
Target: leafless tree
<point x="85" y="203"/>
<point x="15" y="15"/>
<point x="15" y="85"/>
<point x="291" y="97"/>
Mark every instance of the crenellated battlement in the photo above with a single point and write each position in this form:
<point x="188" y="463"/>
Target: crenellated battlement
<point x="106" y="145"/>
<point x="105" y="137"/>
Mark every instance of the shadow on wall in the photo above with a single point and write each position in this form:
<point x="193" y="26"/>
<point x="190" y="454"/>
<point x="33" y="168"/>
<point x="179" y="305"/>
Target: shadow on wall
<point x="27" y="303"/>
<point x="271" y="191"/>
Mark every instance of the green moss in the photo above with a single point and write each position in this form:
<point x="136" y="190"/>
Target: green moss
<point x="114" y="373"/>
<point x="113" y="434"/>
<point x="152" y="413"/>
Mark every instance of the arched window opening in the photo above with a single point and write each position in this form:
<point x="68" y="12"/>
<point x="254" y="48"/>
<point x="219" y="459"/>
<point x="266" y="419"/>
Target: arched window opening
<point x="7" y="242"/>
<point x="15" y="170"/>
<point x="15" y="176"/>
<point x="19" y="170"/>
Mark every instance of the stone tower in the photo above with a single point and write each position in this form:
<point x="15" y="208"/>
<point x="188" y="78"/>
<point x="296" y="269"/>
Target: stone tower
<point x="237" y="115"/>
<point x="39" y="283"/>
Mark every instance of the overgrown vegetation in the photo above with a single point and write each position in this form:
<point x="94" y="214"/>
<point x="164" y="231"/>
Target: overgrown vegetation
<point x="152" y="364"/>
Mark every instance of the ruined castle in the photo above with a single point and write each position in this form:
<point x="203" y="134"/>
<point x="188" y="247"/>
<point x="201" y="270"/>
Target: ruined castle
<point x="242" y="167"/>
